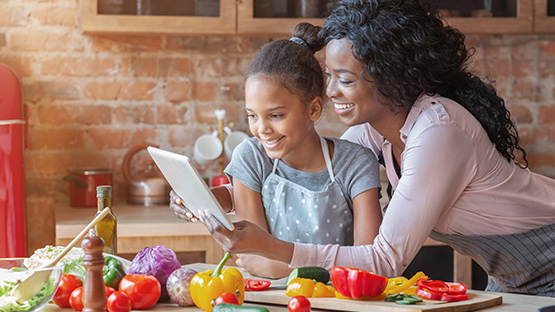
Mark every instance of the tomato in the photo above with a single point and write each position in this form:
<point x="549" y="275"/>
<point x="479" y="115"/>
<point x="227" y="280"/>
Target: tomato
<point x="118" y="301"/>
<point x="254" y="284"/>
<point x="109" y="291"/>
<point x="76" y="299"/>
<point x="298" y="304"/>
<point x="226" y="298"/>
<point x="68" y="283"/>
<point x="143" y="290"/>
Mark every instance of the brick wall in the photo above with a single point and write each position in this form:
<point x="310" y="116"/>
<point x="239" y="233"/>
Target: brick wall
<point x="91" y="98"/>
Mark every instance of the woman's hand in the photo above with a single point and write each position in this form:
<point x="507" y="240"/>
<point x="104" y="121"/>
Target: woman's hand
<point x="176" y="205"/>
<point x="262" y="267"/>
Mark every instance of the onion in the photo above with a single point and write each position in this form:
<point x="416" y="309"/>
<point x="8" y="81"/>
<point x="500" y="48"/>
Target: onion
<point x="178" y="286"/>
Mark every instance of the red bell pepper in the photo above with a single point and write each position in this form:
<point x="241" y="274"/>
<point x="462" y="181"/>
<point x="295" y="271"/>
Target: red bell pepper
<point x="356" y="283"/>
<point x="426" y="294"/>
<point x="439" y="290"/>
<point x="440" y="287"/>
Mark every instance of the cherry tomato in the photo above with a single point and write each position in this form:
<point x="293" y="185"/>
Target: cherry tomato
<point x="68" y="283"/>
<point x="298" y="304"/>
<point x="227" y="298"/>
<point x="118" y="301"/>
<point x="143" y="290"/>
<point x="76" y="299"/>
<point x="254" y="284"/>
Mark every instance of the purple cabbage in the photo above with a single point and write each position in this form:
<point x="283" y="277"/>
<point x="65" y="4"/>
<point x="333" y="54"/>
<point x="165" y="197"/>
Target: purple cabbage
<point x="159" y="261"/>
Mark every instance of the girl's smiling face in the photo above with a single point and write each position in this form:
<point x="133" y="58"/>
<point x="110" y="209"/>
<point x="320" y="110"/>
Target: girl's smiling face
<point x="350" y="90"/>
<point x="278" y="118"/>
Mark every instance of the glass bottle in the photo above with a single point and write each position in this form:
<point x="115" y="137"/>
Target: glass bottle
<point x="107" y="227"/>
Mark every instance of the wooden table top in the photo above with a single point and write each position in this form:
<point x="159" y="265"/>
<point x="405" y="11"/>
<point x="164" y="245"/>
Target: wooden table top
<point x="511" y="303"/>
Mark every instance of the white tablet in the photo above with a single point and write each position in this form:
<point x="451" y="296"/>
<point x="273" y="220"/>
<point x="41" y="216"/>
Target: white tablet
<point x="186" y="181"/>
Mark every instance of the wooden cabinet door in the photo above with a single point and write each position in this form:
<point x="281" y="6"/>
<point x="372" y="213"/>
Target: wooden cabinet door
<point x="480" y="23"/>
<point x="544" y="16"/>
<point x="184" y="19"/>
<point x="249" y="23"/>
<point x="265" y="23"/>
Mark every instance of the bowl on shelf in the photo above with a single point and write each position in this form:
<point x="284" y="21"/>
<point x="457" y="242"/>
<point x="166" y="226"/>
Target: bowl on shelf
<point x="12" y="272"/>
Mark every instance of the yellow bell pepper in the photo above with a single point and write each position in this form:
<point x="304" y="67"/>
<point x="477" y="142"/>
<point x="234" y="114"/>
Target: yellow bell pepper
<point x="207" y="286"/>
<point x="395" y="282"/>
<point x="398" y="285"/>
<point x="308" y="288"/>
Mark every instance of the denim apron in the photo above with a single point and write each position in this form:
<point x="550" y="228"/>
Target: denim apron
<point x="297" y="214"/>
<point x="517" y="263"/>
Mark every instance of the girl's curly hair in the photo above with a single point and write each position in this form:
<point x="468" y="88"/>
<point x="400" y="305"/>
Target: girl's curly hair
<point x="408" y="51"/>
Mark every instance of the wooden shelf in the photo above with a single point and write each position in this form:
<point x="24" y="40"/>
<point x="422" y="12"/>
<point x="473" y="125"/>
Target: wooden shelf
<point x="237" y="17"/>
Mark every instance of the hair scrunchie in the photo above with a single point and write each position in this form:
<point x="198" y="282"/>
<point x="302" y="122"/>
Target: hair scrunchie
<point x="300" y="41"/>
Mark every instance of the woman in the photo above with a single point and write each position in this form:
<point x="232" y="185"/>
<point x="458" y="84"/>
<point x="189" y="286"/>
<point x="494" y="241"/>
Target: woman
<point x="398" y="78"/>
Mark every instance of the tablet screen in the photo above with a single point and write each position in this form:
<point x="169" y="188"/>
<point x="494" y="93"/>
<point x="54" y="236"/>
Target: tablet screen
<point x="188" y="184"/>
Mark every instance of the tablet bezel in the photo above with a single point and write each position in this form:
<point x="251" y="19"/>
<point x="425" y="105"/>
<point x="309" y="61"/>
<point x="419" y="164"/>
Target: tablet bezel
<point x="188" y="184"/>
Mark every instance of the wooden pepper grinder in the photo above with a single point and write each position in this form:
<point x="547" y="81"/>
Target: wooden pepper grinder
<point x="94" y="291"/>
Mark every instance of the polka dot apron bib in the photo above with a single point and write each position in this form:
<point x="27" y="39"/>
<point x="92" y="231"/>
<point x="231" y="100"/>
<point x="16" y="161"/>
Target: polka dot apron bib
<point x="297" y="214"/>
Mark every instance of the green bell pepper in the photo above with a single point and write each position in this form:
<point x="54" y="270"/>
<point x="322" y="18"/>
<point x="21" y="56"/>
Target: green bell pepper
<point x="112" y="272"/>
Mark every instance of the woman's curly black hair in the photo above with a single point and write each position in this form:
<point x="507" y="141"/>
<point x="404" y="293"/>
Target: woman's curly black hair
<point x="407" y="51"/>
<point x="292" y="63"/>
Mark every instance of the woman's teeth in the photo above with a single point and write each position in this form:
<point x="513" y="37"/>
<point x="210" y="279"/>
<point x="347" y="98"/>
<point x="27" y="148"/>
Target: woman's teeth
<point x="343" y="106"/>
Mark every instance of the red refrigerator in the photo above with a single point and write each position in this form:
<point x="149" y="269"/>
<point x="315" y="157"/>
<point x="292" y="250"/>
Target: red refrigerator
<point x="13" y="237"/>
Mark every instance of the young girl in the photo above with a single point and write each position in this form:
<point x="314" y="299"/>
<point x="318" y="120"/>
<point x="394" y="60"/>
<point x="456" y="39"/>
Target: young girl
<point x="296" y="185"/>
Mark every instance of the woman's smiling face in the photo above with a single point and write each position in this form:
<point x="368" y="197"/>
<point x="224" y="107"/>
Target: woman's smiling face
<point x="351" y="91"/>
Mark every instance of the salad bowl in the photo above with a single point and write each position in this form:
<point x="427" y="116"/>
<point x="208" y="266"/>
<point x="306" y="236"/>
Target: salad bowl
<point x="13" y="271"/>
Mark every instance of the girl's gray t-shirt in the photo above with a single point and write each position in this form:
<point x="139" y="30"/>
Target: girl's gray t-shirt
<point x="356" y="168"/>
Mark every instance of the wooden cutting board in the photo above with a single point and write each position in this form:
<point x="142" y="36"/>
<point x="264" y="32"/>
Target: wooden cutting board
<point x="476" y="301"/>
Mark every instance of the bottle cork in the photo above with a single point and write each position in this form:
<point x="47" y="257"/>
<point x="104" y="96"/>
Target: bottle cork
<point x="94" y="291"/>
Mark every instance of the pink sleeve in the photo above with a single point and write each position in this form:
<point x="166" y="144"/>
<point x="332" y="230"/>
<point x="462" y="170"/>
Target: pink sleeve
<point x="366" y="136"/>
<point x="436" y="169"/>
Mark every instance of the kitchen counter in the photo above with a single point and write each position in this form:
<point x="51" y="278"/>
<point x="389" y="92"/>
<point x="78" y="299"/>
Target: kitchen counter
<point x="511" y="303"/>
<point x="140" y="226"/>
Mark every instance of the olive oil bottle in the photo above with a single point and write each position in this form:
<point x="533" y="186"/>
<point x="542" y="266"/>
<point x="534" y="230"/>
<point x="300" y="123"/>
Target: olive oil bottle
<point x="107" y="227"/>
